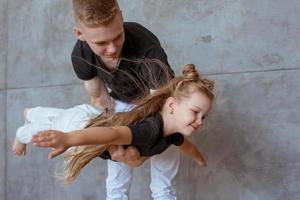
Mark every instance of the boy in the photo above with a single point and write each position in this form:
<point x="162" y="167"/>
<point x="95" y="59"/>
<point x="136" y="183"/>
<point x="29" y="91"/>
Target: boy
<point x="103" y="39"/>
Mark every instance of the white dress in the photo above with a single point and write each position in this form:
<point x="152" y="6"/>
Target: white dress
<point x="65" y="120"/>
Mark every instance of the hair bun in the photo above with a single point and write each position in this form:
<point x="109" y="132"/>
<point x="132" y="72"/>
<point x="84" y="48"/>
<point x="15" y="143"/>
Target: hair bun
<point x="190" y="72"/>
<point x="209" y="84"/>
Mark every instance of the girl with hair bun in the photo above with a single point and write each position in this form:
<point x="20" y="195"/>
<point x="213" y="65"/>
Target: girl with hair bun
<point x="165" y="117"/>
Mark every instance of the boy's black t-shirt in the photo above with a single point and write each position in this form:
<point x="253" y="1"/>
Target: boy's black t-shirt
<point x="147" y="137"/>
<point x="130" y="80"/>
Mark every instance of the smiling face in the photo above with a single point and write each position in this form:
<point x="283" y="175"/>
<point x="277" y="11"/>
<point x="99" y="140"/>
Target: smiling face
<point x="190" y="111"/>
<point x="105" y="40"/>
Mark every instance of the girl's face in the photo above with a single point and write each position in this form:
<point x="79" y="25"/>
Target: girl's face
<point x="190" y="112"/>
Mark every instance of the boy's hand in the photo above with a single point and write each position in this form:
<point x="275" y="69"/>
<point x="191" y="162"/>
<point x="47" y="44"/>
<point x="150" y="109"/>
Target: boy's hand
<point x="104" y="103"/>
<point x="51" y="138"/>
<point x="130" y="156"/>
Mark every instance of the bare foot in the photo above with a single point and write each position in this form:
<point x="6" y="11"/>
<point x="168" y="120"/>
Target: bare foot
<point x="18" y="148"/>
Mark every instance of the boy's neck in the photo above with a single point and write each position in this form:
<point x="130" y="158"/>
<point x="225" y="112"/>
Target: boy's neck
<point x="111" y="64"/>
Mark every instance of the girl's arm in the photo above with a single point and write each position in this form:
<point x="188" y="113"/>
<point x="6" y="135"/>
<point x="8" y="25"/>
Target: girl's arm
<point x="190" y="149"/>
<point x="90" y="136"/>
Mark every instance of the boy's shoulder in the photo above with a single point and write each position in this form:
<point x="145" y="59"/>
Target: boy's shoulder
<point x="82" y="49"/>
<point x="136" y="29"/>
<point x="135" y="25"/>
<point x="138" y="39"/>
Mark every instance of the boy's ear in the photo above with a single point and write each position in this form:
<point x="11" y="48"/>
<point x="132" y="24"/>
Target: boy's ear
<point x="78" y="33"/>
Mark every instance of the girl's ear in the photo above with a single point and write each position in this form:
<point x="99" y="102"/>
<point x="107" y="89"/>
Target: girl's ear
<point x="121" y="13"/>
<point x="170" y="104"/>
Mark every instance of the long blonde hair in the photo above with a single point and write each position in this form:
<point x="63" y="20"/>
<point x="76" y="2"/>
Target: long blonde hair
<point x="80" y="156"/>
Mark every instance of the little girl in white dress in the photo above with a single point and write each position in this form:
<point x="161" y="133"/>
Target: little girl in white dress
<point x="46" y="118"/>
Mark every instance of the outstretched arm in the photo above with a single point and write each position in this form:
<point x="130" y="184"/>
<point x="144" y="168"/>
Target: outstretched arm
<point x="60" y="141"/>
<point x="190" y="149"/>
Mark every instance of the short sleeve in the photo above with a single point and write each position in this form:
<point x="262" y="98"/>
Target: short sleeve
<point x="155" y="73"/>
<point x="81" y="57"/>
<point x="175" y="138"/>
<point x="145" y="132"/>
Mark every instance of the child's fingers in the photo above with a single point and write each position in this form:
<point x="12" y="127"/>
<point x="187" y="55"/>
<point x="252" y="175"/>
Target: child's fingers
<point x="41" y="136"/>
<point x="39" y="139"/>
<point x="44" y="136"/>
<point x="204" y="163"/>
<point x="55" y="153"/>
<point x="47" y="133"/>
<point x="43" y="144"/>
<point x="44" y="133"/>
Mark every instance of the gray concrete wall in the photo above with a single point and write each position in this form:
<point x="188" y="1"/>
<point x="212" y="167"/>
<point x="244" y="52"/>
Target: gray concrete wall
<point x="3" y="56"/>
<point x="251" y="139"/>
<point x="2" y="144"/>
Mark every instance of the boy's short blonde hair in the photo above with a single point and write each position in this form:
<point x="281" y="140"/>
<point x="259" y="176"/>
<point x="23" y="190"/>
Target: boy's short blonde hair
<point x="95" y="12"/>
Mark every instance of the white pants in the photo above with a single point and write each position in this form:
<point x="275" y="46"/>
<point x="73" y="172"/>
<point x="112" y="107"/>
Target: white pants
<point x="65" y="120"/>
<point x="164" y="168"/>
<point x="45" y="118"/>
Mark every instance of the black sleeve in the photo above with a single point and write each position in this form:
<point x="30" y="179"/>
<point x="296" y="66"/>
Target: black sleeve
<point x="81" y="58"/>
<point x="155" y="73"/>
<point x="145" y="132"/>
<point x="175" y="138"/>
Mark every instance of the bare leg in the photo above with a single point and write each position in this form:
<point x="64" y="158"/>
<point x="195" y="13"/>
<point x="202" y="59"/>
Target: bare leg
<point x="25" y="115"/>
<point x="18" y="148"/>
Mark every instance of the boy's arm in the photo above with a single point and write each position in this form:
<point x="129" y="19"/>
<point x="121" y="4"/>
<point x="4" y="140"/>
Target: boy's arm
<point x="190" y="149"/>
<point x="98" y="93"/>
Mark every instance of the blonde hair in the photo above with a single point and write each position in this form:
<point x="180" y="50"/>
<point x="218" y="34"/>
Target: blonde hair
<point x="95" y="12"/>
<point x="178" y="87"/>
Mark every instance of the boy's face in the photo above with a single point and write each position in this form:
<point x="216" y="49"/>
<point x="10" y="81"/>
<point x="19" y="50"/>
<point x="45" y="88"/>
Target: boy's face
<point x="106" y="40"/>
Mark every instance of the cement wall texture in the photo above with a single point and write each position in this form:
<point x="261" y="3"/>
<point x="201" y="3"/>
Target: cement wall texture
<point x="251" y="138"/>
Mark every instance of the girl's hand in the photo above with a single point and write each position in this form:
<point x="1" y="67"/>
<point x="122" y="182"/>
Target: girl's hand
<point x="51" y="138"/>
<point x="202" y="162"/>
